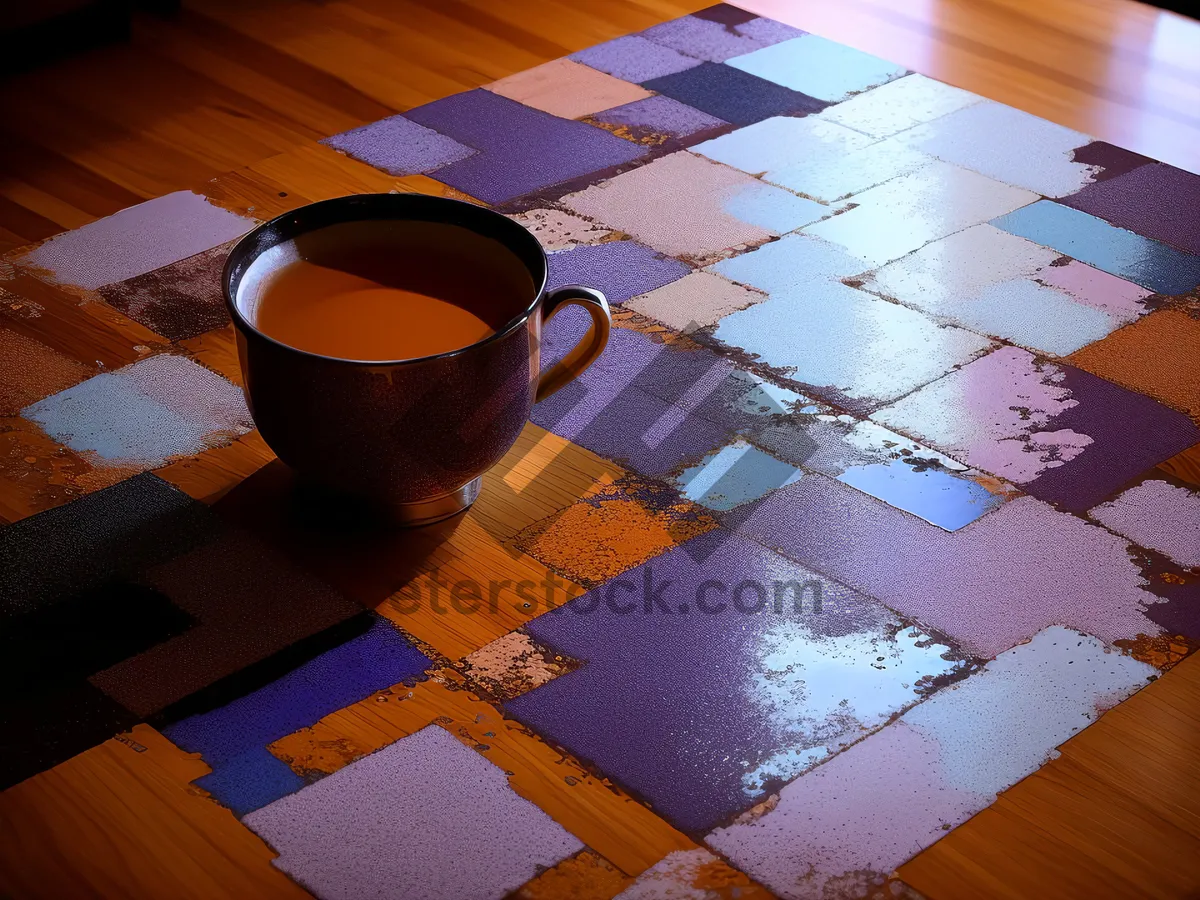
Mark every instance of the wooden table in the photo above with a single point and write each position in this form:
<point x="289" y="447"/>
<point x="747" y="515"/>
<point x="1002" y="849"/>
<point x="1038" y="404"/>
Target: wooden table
<point x="230" y="100"/>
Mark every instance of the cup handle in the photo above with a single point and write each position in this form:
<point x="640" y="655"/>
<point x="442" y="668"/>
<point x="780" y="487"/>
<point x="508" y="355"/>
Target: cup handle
<point x="585" y="352"/>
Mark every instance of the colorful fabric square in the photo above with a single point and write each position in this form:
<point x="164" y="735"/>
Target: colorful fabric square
<point x="1008" y="145"/>
<point x="521" y="150"/>
<point x="558" y="230"/>
<point x="1144" y="261"/>
<point x="851" y="822"/>
<point x="905" y="213"/>
<point x="655" y="119"/>
<point x="999" y="284"/>
<point x="689" y="207"/>
<point x="751" y="686"/>
<point x="609" y="532"/>
<point x="233" y="739"/>
<point x="775" y="145"/>
<point x="633" y="58"/>
<point x="884" y="464"/>
<point x="399" y="146"/>
<point x="716" y="39"/>
<point x="735" y="96"/>
<point x="649" y="406"/>
<point x="813" y="156"/>
<point x="735" y="474"/>
<point x="1157" y="515"/>
<point x="108" y="535"/>
<point x="695" y="301"/>
<point x="386" y="825"/>
<point x="1157" y="201"/>
<point x="144" y="414"/>
<point x="1158" y="355"/>
<point x="567" y="89"/>
<point x="988" y="586"/>
<point x="179" y="301"/>
<point x="1059" y="432"/>
<point x="899" y="105"/>
<point x="819" y="68"/>
<point x="1109" y="161"/>
<point x="847" y="346"/>
<point x="249" y="603"/>
<point x="135" y="241"/>
<point x="29" y="371"/>
<point x="619" y="269"/>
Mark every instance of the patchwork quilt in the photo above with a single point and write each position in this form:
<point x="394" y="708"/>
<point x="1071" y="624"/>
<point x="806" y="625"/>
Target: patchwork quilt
<point x="884" y="487"/>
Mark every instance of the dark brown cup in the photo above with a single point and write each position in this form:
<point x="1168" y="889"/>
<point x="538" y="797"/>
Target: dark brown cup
<point x="411" y="437"/>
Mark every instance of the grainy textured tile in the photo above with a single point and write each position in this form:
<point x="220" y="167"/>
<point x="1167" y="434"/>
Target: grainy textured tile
<point x="386" y="825"/>
<point x="848" y="346"/>
<point x="903" y="214"/>
<point x="520" y="149"/>
<point x="735" y="96"/>
<point x="686" y="206"/>
<point x="717" y="40"/>
<point x="818" y="67"/>
<point x="1157" y="515"/>
<point x="841" y="829"/>
<point x="609" y="532"/>
<point x="567" y="89"/>
<point x="1157" y="201"/>
<point x="698" y="299"/>
<point x="999" y="284"/>
<point x="851" y="173"/>
<point x="780" y="143"/>
<point x="886" y="465"/>
<point x="1143" y="261"/>
<point x="634" y="58"/>
<point x="989" y="586"/>
<point x="110" y="534"/>
<point x="1158" y="355"/>
<point x="899" y="105"/>
<point x="558" y="230"/>
<point x="746" y="695"/>
<point x="399" y="146"/>
<point x="1060" y="433"/>
<point x="179" y="301"/>
<point x="140" y="416"/>
<point x="136" y="240"/>
<point x="618" y="269"/>
<point x="734" y="474"/>
<point x="655" y="119"/>
<point x="1008" y="145"/>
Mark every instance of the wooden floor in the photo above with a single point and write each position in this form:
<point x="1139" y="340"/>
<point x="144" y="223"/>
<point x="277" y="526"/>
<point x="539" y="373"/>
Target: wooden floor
<point x="232" y="83"/>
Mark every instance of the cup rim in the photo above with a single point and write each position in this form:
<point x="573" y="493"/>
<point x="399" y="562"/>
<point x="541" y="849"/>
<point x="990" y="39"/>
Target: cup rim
<point x="457" y="212"/>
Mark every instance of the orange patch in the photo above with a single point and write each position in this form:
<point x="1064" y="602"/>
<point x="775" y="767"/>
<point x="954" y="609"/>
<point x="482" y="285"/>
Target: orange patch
<point x="1158" y="355"/>
<point x="620" y="526"/>
<point x="585" y="876"/>
<point x="1163" y="651"/>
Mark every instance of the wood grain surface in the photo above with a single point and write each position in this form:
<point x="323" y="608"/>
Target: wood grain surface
<point x="229" y="99"/>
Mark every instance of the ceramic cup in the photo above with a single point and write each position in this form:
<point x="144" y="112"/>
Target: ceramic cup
<point x="411" y="437"/>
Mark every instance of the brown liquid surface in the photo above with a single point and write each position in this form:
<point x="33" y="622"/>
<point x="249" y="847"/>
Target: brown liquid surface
<point x="387" y="290"/>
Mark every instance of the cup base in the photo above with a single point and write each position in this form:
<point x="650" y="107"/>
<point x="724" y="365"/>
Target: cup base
<point x="435" y="509"/>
